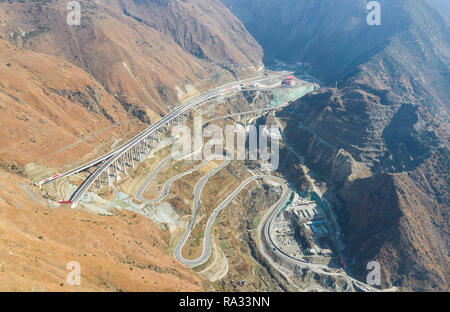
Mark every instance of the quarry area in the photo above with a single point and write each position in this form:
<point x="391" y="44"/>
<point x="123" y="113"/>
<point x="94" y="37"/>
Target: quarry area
<point x="301" y="231"/>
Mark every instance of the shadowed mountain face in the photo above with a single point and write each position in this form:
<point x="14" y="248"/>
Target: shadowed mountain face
<point x="384" y="131"/>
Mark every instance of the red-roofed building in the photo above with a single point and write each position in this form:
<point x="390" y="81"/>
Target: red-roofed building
<point x="289" y="81"/>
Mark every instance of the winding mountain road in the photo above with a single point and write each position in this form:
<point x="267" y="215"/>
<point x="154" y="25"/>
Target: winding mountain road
<point x="107" y="160"/>
<point x="144" y="186"/>
<point x="196" y="204"/>
<point x="168" y="184"/>
<point x="206" y="253"/>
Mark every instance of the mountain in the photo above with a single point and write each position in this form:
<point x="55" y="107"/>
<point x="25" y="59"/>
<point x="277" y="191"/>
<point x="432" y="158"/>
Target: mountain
<point x="54" y="113"/>
<point x="204" y="28"/>
<point x="133" y="63"/>
<point x="71" y="93"/>
<point x="121" y="252"/>
<point x="133" y="48"/>
<point x="47" y="104"/>
<point x="378" y="130"/>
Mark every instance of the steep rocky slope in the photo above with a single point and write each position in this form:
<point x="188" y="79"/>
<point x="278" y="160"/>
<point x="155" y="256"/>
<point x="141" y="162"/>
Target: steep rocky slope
<point x="381" y="137"/>
<point x="402" y="221"/>
<point x="53" y="112"/>
<point x="206" y="29"/>
<point x="124" y="45"/>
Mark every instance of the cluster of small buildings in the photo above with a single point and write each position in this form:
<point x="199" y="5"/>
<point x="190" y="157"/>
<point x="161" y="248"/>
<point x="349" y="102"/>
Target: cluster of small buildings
<point x="317" y="227"/>
<point x="289" y="81"/>
<point x="305" y="209"/>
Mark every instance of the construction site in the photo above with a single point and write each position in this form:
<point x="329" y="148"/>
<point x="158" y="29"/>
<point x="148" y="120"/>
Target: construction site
<point x="302" y="232"/>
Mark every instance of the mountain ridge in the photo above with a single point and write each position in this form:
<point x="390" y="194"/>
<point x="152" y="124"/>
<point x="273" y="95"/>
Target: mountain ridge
<point x="382" y="115"/>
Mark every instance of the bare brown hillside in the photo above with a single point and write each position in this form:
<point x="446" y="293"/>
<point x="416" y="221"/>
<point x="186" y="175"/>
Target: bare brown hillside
<point x="48" y="104"/>
<point x="142" y="64"/>
<point x="70" y="93"/>
<point x="378" y="130"/>
<point x="53" y="113"/>
<point x="123" y="252"/>
<point x="391" y="177"/>
<point x="205" y="28"/>
<point x="102" y="81"/>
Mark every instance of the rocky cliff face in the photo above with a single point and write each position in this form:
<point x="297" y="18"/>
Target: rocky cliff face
<point x="381" y="136"/>
<point x="402" y="221"/>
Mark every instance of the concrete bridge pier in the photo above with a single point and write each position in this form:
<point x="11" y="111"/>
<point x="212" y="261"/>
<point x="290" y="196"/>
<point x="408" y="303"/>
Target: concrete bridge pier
<point x="116" y="171"/>
<point x="107" y="176"/>
<point x="146" y="149"/>
<point x="141" y="151"/>
<point x="151" y="140"/>
<point x="134" y="155"/>
<point x="122" y="164"/>
<point x="137" y="155"/>
<point x="147" y="141"/>
<point x="128" y="159"/>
